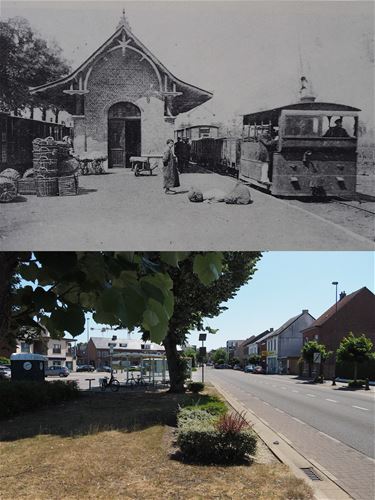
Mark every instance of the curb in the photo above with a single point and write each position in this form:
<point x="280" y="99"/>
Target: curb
<point x="282" y="448"/>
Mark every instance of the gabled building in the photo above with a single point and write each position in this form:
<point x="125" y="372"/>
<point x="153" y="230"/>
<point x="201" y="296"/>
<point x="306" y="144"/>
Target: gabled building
<point x="123" y="100"/>
<point x="284" y="344"/>
<point x="60" y="352"/>
<point x="352" y="313"/>
<point x="241" y="351"/>
<point x="101" y="350"/>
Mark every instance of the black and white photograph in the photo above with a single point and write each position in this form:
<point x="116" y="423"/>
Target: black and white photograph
<point x="223" y="125"/>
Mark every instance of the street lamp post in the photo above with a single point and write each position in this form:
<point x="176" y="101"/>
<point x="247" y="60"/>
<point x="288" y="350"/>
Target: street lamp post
<point x="202" y="338"/>
<point x="335" y="283"/>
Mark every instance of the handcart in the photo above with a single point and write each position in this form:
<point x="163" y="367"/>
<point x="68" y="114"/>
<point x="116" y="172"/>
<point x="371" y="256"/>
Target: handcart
<point x="142" y="164"/>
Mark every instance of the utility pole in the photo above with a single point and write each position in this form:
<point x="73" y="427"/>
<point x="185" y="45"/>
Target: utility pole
<point x="202" y="338"/>
<point x="335" y="283"/>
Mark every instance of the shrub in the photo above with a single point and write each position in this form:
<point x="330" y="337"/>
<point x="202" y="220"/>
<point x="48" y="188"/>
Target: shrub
<point x="195" y="387"/>
<point x="213" y="407"/>
<point x="356" y="383"/>
<point x="233" y="423"/>
<point x="208" y="438"/>
<point x="19" y="396"/>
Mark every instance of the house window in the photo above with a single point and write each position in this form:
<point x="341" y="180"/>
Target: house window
<point x="56" y="363"/>
<point x="56" y="349"/>
<point x="123" y="345"/>
<point x="145" y="346"/>
<point x="25" y="347"/>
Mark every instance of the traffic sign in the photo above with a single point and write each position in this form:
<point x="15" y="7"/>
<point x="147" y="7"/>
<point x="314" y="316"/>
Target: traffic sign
<point x="317" y="357"/>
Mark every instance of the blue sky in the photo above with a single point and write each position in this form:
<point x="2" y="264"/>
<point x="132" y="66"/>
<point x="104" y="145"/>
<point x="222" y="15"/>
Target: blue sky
<point x="284" y="284"/>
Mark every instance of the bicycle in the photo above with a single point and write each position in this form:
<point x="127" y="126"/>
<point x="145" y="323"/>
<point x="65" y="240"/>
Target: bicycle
<point x="131" y="381"/>
<point x="113" y="383"/>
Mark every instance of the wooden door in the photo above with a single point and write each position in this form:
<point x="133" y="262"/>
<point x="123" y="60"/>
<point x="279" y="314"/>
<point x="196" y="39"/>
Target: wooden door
<point x="116" y="143"/>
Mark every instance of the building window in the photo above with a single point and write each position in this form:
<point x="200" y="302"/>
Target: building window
<point x="25" y="347"/>
<point x="56" y="363"/>
<point x="56" y="349"/>
<point x="316" y="336"/>
<point x="123" y="345"/>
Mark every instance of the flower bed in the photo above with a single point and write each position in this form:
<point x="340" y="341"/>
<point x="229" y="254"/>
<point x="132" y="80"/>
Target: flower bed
<point x="211" y="437"/>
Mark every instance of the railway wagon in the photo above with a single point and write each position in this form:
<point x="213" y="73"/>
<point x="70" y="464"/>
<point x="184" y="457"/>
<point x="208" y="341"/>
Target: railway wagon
<point x="16" y="136"/>
<point x="301" y="150"/>
<point x="205" y="152"/>
<point x="221" y="155"/>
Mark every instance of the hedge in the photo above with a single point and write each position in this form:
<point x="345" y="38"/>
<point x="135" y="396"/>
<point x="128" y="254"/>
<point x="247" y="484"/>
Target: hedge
<point x="19" y="396"/>
<point x="201" y="439"/>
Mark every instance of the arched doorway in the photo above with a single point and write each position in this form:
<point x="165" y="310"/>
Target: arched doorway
<point x="124" y="133"/>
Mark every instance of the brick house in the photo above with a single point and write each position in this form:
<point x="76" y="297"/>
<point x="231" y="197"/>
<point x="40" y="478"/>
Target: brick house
<point x="241" y="352"/>
<point x="60" y="352"/>
<point x="101" y="350"/>
<point x="123" y="100"/>
<point x="355" y="313"/>
<point x="259" y="346"/>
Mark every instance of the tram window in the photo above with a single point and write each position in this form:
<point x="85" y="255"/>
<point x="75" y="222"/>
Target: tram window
<point x="338" y="126"/>
<point x="302" y="125"/>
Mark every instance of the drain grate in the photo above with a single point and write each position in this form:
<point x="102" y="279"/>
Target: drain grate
<point x="311" y="474"/>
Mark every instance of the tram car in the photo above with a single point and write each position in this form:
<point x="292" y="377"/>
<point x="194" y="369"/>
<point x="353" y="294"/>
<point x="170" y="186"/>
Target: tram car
<point x="301" y="150"/>
<point x="16" y="136"/>
<point x="221" y="155"/>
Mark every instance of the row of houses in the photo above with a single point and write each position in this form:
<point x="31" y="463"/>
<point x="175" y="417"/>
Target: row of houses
<point x="280" y="349"/>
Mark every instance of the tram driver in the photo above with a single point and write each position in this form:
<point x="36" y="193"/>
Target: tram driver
<point x="337" y="131"/>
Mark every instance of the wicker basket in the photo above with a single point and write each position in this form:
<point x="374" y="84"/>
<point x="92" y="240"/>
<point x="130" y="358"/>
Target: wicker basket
<point x="46" y="186"/>
<point x="26" y="186"/>
<point x="46" y="168"/>
<point x="68" y="186"/>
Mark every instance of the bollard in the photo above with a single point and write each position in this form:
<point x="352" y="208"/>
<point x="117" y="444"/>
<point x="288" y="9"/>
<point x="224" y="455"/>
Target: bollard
<point x="334" y="381"/>
<point x="367" y="384"/>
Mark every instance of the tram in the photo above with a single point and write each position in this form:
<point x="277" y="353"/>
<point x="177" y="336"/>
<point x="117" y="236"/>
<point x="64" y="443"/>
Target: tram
<point x="301" y="150"/>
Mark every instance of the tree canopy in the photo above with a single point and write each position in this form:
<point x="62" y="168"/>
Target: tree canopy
<point x="355" y="350"/>
<point x="165" y="294"/>
<point x="26" y="60"/>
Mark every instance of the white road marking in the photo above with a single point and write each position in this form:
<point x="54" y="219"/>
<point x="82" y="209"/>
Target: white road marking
<point x="298" y="420"/>
<point x="264" y="402"/>
<point x="280" y="411"/>
<point x="311" y="395"/>
<point x="329" y="437"/>
<point x="360" y="408"/>
<point x="332" y="400"/>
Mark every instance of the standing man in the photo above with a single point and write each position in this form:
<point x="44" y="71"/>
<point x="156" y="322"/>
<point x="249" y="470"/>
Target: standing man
<point x="179" y="151"/>
<point x="186" y="154"/>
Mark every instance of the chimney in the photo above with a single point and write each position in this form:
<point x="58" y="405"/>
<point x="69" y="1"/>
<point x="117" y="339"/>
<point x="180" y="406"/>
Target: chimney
<point x="305" y="311"/>
<point x="342" y="295"/>
<point x="271" y="330"/>
<point x="306" y="92"/>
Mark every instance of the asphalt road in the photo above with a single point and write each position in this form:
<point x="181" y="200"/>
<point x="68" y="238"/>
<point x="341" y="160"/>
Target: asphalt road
<point x="344" y="415"/>
<point x="119" y="211"/>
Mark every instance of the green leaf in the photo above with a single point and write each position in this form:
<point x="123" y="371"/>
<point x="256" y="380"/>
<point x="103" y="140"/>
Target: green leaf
<point x="44" y="299"/>
<point x="29" y="272"/>
<point x="158" y="328"/>
<point x="125" y="278"/>
<point x="173" y="258"/>
<point x="208" y="266"/>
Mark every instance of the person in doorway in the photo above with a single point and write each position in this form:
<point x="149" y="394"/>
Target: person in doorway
<point x="179" y="152"/>
<point x="337" y="131"/>
<point x="170" y="172"/>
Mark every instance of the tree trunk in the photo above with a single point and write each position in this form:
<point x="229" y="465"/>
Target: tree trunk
<point x="176" y="366"/>
<point x="57" y="112"/>
<point x="44" y="114"/>
<point x="32" y="113"/>
<point x="8" y="264"/>
<point x="355" y="371"/>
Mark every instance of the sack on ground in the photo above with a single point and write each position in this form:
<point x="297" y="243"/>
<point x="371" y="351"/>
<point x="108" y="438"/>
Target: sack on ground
<point x="240" y="195"/>
<point x="195" y="195"/>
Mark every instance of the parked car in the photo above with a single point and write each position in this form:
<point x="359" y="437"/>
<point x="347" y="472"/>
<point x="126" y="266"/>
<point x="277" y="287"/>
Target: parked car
<point x="56" y="371"/>
<point x="107" y="369"/>
<point x="237" y="367"/>
<point x="5" y="373"/>
<point x="222" y="366"/>
<point x="259" y="369"/>
<point x="249" y="368"/>
<point x="85" y="368"/>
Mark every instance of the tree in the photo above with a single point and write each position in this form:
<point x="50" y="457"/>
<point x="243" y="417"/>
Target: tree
<point x="254" y="359"/>
<point x="309" y="349"/>
<point x="165" y="294"/>
<point x="26" y="60"/>
<point x="355" y="350"/>
<point x="220" y="356"/>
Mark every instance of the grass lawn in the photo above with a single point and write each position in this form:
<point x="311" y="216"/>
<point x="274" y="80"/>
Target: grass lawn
<point x="119" y="446"/>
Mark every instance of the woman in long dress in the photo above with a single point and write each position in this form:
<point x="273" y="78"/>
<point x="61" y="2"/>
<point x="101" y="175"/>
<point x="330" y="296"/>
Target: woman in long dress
<point x="170" y="172"/>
